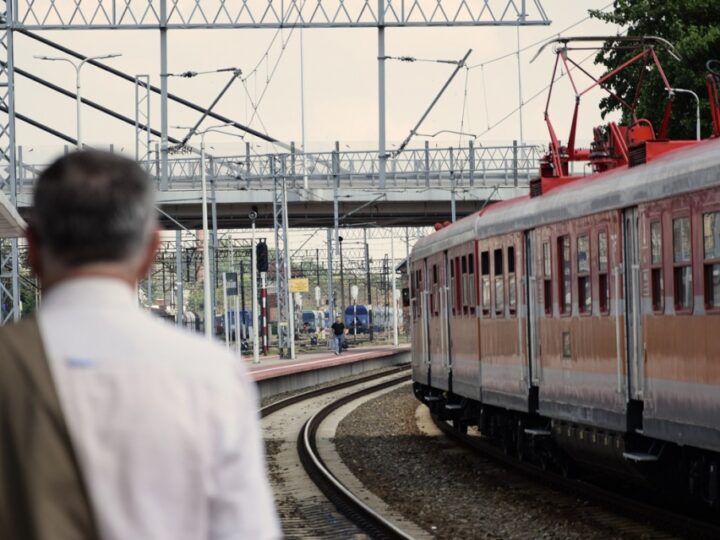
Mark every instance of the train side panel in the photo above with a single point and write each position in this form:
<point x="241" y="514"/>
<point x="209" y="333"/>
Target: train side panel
<point x="680" y="258"/>
<point x="582" y="375"/>
<point x="437" y="322"/>
<point x="464" y="328"/>
<point x="502" y="328"/>
<point x="418" y="312"/>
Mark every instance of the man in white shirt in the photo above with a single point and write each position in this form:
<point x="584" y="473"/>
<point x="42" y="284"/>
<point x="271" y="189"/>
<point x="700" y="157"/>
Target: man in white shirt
<point x="163" y="423"/>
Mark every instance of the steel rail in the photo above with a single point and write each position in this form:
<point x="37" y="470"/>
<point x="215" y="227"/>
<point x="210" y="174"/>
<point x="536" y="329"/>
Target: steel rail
<point x="344" y="500"/>
<point x="685" y="526"/>
<point x="346" y="503"/>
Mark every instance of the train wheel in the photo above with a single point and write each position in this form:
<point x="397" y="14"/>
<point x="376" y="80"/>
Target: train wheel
<point x="460" y="426"/>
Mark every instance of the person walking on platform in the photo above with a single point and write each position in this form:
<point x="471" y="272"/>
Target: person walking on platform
<point x="113" y="424"/>
<point x="338" y="329"/>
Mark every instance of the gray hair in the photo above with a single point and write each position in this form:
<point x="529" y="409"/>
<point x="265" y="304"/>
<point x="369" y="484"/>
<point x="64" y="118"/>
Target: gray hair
<point x="93" y="206"/>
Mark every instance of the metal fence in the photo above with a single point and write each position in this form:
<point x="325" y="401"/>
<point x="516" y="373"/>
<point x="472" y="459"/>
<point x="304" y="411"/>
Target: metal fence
<point x="425" y="167"/>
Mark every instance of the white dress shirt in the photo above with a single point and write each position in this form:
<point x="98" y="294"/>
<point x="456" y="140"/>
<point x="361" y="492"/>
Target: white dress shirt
<point x="164" y="423"/>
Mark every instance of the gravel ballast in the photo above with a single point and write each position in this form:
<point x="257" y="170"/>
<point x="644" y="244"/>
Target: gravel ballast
<point x="454" y="493"/>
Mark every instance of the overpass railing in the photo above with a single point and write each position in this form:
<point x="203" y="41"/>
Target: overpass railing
<point x="426" y="167"/>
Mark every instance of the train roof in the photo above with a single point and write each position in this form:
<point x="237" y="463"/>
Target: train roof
<point x="681" y="171"/>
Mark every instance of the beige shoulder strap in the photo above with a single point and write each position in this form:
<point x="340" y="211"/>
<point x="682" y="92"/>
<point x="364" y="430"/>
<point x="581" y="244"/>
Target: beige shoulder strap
<point x="42" y="491"/>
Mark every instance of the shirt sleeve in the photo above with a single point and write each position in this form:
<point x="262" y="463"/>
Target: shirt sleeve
<point x="241" y="503"/>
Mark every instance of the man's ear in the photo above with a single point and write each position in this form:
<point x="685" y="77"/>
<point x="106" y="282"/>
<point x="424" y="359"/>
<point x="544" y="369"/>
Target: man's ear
<point x="34" y="248"/>
<point x="149" y="256"/>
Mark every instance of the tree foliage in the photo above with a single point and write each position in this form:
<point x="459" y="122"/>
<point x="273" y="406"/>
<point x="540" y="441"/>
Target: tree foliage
<point x="693" y="27"/>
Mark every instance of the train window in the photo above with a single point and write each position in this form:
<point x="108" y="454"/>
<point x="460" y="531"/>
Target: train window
<point x="682" y="271"/>
<point x="564" y="283"/>
<point x="656" y="269"/>
<point x="583" y="274"/>
<point x="512" y="292"/>
<point x="485" y="273"/>
<point x="547" y="267"/>
<point x="603" y="283"/>
<point x="499" y="282"/>
<point x="711" y="241"/>
<point x="464" y="284"/>
<point x="472" y="300"/>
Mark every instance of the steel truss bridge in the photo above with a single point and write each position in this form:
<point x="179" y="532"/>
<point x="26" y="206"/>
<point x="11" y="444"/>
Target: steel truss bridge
<point x="422" y="186"/>
<point x="344" y="175"/>
<point x="184" y="14"/>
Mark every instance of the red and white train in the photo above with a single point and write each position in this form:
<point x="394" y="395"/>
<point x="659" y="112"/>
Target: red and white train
<point x="581" y="323"/>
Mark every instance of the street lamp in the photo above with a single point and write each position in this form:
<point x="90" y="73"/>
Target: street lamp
<point x="206" y="248"/>
<point x="697" y="107"/>
<point x="78" y="96"/>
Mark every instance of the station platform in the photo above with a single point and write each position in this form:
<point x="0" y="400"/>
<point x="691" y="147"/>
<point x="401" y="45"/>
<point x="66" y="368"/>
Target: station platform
<point x="275" y="375"/>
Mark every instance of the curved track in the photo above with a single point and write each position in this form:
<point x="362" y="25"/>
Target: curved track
<point x="342" y="499"/>
<point x="637" y="510"/>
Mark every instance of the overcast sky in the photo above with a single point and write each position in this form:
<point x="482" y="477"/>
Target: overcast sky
<point x="340" y="82"/>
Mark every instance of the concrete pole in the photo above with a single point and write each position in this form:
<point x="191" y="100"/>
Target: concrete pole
<point x="238" y="333"/>
<point x="453" y="211"/>
<point x="336" y="220"/>
<point x="179" y="296"/>
<point x="214" y="258"/>
<point x="288" y="274"/>
<point x="342" y="281"/>
<point x="369" y="284"/>
<point x="225" y="309"/>
<point x="302" y="109"/>
<point x="331" y="303"/>
<point x="519" y="74"/>
<point x="265" y="325"/>
<point x="382" y="152"/>
<point x="394" y="301"/>
<point x="253" y="293"/>
<point x="207" y="307"/>
<point x="243" y="331"/>
<point x="164" y="166"/>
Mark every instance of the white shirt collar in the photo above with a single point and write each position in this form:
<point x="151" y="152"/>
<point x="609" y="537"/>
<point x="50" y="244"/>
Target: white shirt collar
<point x="91" y="292"/>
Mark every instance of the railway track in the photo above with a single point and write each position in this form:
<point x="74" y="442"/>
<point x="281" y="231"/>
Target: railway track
<point x="302" y="510"/>
<point x="658" y="518"/>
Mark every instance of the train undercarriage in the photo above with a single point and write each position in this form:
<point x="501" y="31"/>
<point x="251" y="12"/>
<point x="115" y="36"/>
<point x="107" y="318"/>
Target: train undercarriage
<point x="689" y="475"/>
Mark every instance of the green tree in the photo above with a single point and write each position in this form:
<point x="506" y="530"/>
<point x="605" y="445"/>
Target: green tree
<point x="693" y="27"/>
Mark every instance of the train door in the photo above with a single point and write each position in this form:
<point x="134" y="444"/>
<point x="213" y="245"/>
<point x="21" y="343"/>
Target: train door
<point x="438" y="322"/>
<point x="445" y="318"/>
<point x="425" y="322"/>
<point x="531" y="303"/>
<point x="633" y="321"/>
<point x="439" y="335"/>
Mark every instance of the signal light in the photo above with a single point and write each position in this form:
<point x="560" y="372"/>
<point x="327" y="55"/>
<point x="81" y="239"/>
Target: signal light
<point x="261" y="254"/>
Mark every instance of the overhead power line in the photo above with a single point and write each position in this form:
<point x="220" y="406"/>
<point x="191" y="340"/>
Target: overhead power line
<point x="536" y="43"/>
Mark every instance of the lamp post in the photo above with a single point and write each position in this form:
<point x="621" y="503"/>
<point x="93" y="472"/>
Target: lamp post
<point x="78" y="95"/>
<point x="207" y="308"/>
<point x="697" y="108"/>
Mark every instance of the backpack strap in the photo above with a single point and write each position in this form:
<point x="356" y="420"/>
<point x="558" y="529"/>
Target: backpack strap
<point x="43" y="495"/>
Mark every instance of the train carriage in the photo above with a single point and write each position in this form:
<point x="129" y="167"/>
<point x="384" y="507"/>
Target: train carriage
<point x="585" y="316"/>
